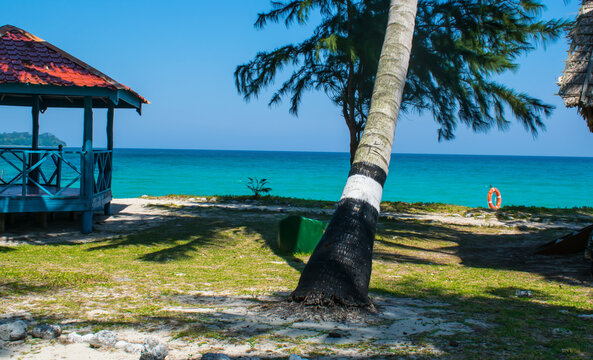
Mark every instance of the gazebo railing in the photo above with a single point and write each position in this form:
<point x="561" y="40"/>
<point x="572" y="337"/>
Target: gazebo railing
<point x="43" y="172"/>
<point x="102" y="170"/>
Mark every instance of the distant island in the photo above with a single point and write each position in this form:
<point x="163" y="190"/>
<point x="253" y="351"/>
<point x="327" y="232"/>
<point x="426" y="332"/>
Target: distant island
<point x="24" y="139"/>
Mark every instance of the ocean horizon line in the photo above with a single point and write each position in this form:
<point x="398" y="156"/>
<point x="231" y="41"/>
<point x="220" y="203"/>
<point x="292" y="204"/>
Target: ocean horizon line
<point x="348" y="154"/>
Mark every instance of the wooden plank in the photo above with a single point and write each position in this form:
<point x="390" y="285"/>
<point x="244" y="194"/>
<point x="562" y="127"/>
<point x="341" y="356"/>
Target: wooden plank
<point x="131" y="99"/>
<point x="55" y="90"/>
<point x="39" y="204"/>
<point x="59" y="102"/>
<point x="100" y="200"/>
<point x="15" y="191"/>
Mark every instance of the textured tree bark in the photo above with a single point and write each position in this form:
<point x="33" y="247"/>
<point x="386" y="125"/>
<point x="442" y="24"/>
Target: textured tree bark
<point x="339" y="270"/>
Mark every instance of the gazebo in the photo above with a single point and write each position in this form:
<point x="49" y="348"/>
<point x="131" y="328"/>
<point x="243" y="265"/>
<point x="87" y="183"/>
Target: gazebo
<point x="576" y="83"/>
<point x="36" y="74"/>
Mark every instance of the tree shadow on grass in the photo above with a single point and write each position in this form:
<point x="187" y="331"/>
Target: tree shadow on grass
<point x="181" y="236"/>
<point x="16" y="288"/>
<point x="192" y="229"/>
<point x="413" y="242"/>
<point x="263" y="223"/>
<point x="5" y="249"/>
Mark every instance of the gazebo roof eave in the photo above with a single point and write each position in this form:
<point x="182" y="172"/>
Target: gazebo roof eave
<point x="69" y="96"/>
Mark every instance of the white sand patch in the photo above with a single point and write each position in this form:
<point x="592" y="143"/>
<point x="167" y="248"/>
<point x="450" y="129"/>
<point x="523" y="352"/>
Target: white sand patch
<point x="77" y="351"/>
<point x="267" y="326"/>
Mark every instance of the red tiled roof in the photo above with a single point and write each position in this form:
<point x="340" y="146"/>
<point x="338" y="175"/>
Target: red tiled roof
<point x="27" y="59"/>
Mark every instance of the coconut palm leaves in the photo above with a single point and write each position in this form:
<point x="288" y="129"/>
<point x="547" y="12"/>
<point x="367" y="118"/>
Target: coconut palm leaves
<point x="459" y="47"/>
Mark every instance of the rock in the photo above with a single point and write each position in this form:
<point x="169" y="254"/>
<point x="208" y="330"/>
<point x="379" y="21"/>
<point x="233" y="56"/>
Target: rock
<point x="134" y="348"/>
<point x="296" y="357"/>
<point x="213" y="199"/>
<point x="215" y="356"/>
<point x="128" y="347"/>
<point x="335" y="334"/>
<point x="522" y="293"/>
<point x="153" y="349"/>
<point x="87" y="337"/>
<point x="73" y="337"/>
<point x="561" y="332"/>
<point x="13" y="331"/>
<point x="103" y="338"/>
<point x="46" y="331"/>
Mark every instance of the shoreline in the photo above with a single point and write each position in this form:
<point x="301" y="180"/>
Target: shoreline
<point x="131" y="215"/>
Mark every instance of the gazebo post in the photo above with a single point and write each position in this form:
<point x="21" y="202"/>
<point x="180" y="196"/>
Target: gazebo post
<point x="110" y="111"/>
<point x="35" y="116"/>
<point x="35" y="136"/>
<point x="87" y="174"/>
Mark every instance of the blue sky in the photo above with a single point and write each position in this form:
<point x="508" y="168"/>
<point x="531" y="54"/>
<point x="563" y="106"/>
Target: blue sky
<point x="181" y="56"/>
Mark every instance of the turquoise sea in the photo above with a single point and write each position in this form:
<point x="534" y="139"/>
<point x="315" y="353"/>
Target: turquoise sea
<point x="454" y="179"/>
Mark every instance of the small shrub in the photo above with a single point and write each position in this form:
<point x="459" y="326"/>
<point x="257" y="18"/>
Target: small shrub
<point x="258" y="186"/>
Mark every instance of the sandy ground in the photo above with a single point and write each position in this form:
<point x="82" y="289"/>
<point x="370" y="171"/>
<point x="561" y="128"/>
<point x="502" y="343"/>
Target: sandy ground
<point x="291" y="329"/>
<point x="287" y="329"/>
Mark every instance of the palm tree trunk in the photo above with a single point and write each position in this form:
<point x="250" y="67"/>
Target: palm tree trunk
<point x="339" y="270"/>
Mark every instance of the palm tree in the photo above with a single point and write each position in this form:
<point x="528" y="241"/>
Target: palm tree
<point x="459" y="47"/>
<point x="339" y="270"/>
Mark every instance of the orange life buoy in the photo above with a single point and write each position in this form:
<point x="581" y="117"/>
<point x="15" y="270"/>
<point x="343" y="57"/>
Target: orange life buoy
<point x="494" y="190"/>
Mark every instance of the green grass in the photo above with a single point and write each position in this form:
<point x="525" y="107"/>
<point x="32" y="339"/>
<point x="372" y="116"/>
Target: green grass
<point x="419" y="207"/>
<point x="262" y="200"/>
<point x="476" y="270"/>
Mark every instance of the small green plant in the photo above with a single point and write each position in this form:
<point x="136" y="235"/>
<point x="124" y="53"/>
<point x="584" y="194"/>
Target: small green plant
<point x="258" y="186"/>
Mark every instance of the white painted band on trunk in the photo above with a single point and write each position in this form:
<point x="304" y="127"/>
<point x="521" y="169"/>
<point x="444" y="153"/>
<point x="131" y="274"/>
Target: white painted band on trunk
<point x="361" y="187"/>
